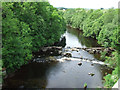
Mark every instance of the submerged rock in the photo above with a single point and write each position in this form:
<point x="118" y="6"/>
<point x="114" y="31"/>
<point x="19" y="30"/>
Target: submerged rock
<point x="91" y="74"/>
<point x="80" y="64"/>
<point x="64" y="71"/>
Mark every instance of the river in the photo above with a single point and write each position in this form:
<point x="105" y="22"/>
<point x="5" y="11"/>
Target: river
<point x="67" y="74"/>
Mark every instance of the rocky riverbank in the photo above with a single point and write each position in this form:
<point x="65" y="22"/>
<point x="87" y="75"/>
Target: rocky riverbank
<point x="57" y="50"/>
<point x="93" y="50"/>
<point x="66" y="54"/>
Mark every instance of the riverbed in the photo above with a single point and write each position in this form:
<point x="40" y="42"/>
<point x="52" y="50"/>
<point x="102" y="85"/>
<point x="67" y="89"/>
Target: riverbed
<point x="67" y="74"/>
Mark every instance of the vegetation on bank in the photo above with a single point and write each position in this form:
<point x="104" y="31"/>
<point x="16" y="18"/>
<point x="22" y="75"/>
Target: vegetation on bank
<point x="103" y="26"/>
<point x="27" y="26"/>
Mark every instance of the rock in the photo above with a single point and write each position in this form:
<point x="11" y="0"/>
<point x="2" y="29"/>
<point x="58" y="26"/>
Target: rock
<point x="67" y="54"/>
<point x="91" y="74"/>
<point x="81" y="57"/>
<point x="59" y="52"/>
<point x="94" y="51"/>
<point x="58" y="48"/>
<point x="64" y="71"/>
<point x="53" y="50"/>
<point x="92" y="64"/>
<point x="39" y="56"/>
<point x="67" y="50"/>
<point x="44" y="49"/>
<point x="106" y="50"/>
<point x="88" y="49"/>
<point x="60" y="60"/>
<point x="97" y="51"/>
<point x="68" y="59"/>
<point x="105" y="65"/>
<point x="74" y="49"/>
<point x="68" y="46"/>
<point x="91" y="60"/>
<point x="78" y="48"/>
<point x="33" y="60"/>
<point x="51" y="58"/>
<point x="80" y="64"/>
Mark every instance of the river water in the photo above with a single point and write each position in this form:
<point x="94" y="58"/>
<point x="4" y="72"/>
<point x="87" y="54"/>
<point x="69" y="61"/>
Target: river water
<point x="67" y="74"/>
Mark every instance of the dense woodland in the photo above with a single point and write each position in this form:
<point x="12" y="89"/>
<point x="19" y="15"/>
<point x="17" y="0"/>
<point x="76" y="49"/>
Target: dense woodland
<point x="25" y="28"/>
<point x="28" y="26"/>
<point x="101" y="24"/>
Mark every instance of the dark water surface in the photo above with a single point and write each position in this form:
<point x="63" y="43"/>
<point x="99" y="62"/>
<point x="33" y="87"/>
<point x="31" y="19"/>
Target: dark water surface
<point x="66" y="74"/>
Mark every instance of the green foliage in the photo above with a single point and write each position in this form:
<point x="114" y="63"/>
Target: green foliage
<point x="108" y="34"/>
<point x="68" y="15"/>
<point x="111" y="79"/>
<point x="27" y="26"/>
<point x="112" y="60"/>
<point x="13" y="42"/>
<point x="91" y="23"/>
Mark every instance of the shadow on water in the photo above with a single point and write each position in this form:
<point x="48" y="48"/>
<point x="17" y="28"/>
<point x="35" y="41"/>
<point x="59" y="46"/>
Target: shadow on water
<point x="66" y="74"/>
<point x="33" y="75"/>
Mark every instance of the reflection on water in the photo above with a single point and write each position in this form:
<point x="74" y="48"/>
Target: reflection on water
<point x="67" y="74"/>
<point x="75" y="38"/>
